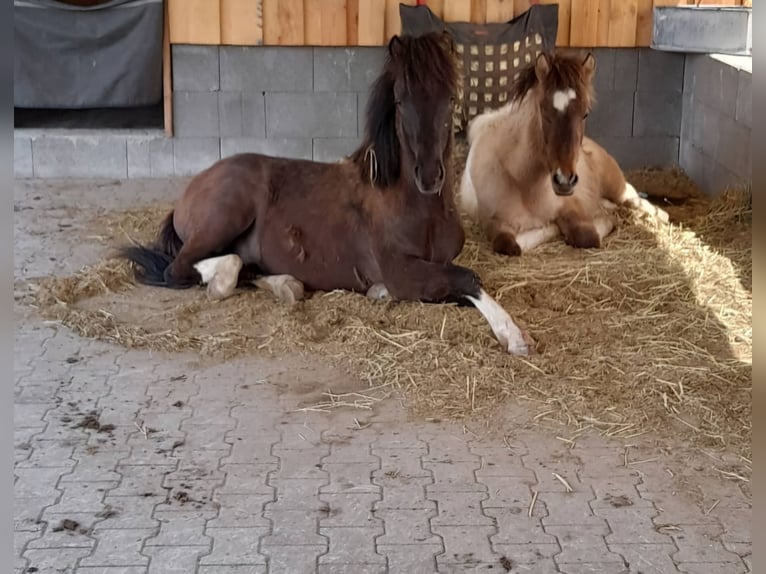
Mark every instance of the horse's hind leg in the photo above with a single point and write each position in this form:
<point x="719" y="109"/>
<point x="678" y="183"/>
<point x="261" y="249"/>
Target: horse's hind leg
<point x="220" y="274"/>
<point x="285" y="287"/>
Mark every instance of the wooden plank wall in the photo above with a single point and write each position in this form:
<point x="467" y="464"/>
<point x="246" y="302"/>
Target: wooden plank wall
<point x="582" y="23"/>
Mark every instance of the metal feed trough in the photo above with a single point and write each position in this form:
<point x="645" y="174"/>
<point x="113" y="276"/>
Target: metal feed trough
<point x="704" y="29"/>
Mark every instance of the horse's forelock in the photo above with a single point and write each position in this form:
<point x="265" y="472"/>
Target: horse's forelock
<point x="420" y="62"/>
<point x="424" y="63"/>
<point x="565" y="72"/>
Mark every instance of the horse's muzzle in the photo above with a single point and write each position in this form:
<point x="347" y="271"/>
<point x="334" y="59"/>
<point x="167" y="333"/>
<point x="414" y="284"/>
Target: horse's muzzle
<point x="562" y="185"/>
<point x="435" y="186"/>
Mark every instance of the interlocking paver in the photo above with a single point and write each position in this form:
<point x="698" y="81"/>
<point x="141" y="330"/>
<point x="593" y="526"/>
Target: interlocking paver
<point x="173" y="559"/>
<point x="119" y="547"/>
<point x="404" y="492"/>
<point x="583" y="544"/>
<point x="297" y="494"/>
<point x="51" y="560"/>
<point x="293" y="528"/>
<point x="410" y="559"/>
<point x="407" y="527"/>
<point x="647" y="558"/>
<point x="712" y="568"/>
<point x="466" y="544"/>
<point x="240" y="510"/>
<point x="460" y="508"/>
<point x="292" y="559"/>
<point x="352" y="545"/>
<point x="401" y="462"/>
<point x="701" y="543"/>
<point x="247" y="479"/>
<point x="454" y="477"/>
<point x="180" y="528"/>
<point x="228" y="477"/>
<point x="348" y="510"/>
<point x="235" y="547"/>
<point x="518" y="528"/>
<point x="348" y="477"/>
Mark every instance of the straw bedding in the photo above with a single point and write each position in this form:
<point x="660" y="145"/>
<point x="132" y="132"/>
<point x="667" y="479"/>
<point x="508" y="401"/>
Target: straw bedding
<point x="651" y="333"/>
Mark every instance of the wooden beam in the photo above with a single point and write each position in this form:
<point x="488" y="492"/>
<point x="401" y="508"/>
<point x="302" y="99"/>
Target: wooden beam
<point x="167" y="74"/>
<point x="242" y="22"/>
<point x="499" y="10"/>
<point x="283" y="23"/>
<point x="194" y="21"/>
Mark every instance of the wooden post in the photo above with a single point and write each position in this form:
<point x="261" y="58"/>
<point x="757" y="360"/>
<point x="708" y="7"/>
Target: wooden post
<point x="167" y="74"/>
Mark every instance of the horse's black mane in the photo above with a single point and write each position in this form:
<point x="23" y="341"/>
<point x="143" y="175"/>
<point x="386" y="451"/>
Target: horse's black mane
<point x="421" y="61"/>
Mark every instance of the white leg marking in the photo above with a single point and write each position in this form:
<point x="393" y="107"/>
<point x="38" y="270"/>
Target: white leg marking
<point x="220" y="274"/>
<point x="286" y="287"/>
<point x="562" y="98"/>
<point x="604" y="226"/>
<point x="630" y="197"/>
<point x="506" y="331"/>
<point x="378" y="291"/>
<point x="528" y="240"/>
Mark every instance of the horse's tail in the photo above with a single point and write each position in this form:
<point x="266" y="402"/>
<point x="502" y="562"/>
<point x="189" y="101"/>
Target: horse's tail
<point x="150" y="263"/>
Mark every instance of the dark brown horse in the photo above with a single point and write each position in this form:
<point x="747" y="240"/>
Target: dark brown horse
<point x="381" y="222"/>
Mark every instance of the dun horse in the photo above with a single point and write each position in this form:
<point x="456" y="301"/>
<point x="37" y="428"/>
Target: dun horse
<point x="382" y="221"/>
<point x="531" y="176"/>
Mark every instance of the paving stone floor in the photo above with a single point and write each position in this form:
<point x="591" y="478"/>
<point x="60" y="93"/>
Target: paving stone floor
<point x="189" y="467"/>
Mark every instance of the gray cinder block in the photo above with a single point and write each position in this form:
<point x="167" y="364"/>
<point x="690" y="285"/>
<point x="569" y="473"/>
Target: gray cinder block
<point x="638" y="152"/>
<point x="75" y="155"/>
<point x="612" y="115"/>
<point x="242" y="114"/>
<point x="267" y="69"/>
<point x="334" y="149"/>
<point x="625" y="68"/>
<point x="744" y="109"/>
<point x="195" y="68"/>
<point x="296" y="148"/>
<point x="313" y="115"/>
<point x="733" y="150"/>
<point x="195" y="114"/>
<point x="657" y="113"/>
<point x="150" y="157"/>
<point x="22" y="157"/>
<point x="346" y="69"/>
<point x="603" y="81"/>
<point x="660" y="71"/>
<point x="192" y="155"/>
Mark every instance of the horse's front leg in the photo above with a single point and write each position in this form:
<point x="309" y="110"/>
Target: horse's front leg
<point x="630" y="198"/>
<point x="582" y="230"/>
<point x="415" y="279"/>
<point x="505" y="242"/>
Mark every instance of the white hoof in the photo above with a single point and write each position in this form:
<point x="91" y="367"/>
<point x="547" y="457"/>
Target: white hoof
<point x="220" y="274"/>
<point x="378" y="292"/>
<point x="285" y="287"/>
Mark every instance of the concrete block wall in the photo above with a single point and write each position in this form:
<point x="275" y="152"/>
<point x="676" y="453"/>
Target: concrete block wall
<point x="309" y="103"/>
<point x="717" y="121"/>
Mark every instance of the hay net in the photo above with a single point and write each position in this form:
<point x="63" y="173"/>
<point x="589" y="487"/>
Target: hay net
<point x="489" y="56"/>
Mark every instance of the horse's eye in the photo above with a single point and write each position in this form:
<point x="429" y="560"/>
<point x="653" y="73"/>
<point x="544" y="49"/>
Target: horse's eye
<point x="586" y="115"/>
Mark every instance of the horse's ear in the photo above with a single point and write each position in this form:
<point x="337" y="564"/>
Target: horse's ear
<point x="542" y="66"/>
<point x="589" y="63"/>
<point x="394" y="45"/>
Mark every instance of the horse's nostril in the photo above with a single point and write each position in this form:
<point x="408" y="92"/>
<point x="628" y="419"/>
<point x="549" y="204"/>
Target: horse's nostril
<point x="417" y="171"/>
<point x="442" y="172"/>
<point x="574" y="180"/>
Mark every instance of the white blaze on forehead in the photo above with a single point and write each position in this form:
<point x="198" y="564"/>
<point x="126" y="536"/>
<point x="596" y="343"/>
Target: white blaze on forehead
<point x="562" y="98"/>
